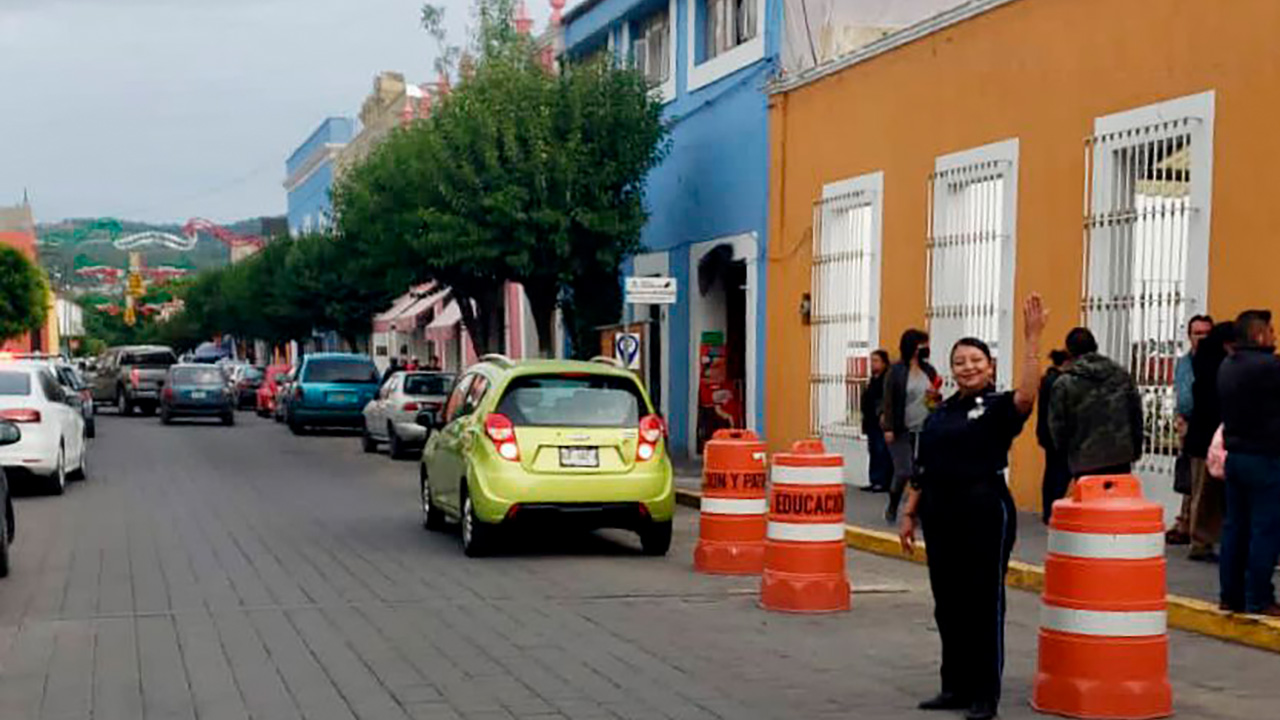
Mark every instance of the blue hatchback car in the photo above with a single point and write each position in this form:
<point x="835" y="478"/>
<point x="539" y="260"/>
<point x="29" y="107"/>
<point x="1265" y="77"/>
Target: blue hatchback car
<point x="331" y="391"/>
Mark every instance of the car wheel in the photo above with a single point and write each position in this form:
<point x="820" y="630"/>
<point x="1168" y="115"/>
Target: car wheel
<point x="655" y="538"/>
<point x="148" y="410"/>
<point x="82" y="472"/>
<point x="475" y="534"/>
<point x="123" y="406"/>
<point x="58" y="481"/>
<point x="4" y="544"/>
<point x="432" y="515"/>
<point x="296" y="428"/>
<point x="395" y="448"/>
<point x="367" y="443"/>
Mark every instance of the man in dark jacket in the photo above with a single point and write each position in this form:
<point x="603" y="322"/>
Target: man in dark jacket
<point x="1057" y="475"/>
<point x="1249" y="391"/>
<point x="1095" y="413"/>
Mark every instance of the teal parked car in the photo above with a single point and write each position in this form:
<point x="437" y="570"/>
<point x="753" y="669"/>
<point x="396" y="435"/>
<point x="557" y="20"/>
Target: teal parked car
<point x="331" y="390"/>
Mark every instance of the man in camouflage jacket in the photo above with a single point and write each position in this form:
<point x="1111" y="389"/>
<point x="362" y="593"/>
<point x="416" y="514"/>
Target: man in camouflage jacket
<point x="1095" y="414"/>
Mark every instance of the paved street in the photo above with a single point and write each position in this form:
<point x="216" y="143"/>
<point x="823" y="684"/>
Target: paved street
<point x="230" y="573"/>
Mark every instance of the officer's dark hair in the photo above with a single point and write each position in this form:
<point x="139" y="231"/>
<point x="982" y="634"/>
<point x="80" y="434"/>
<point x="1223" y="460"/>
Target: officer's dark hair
<point x="883" y="355"/>
<point x="1081" y="342"/>
<point x="972" y="342"/>
<point x="1198" y="319"/>
<point x="910" y="342"/>
<point x="1059" y="357"/>
<point x="1248" y="324"/>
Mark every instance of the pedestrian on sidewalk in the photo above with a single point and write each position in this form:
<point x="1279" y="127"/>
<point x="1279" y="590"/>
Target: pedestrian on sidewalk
<point x="879" y="463"/>
<point x="1249" y="390"/>
<point x="1208" y="496"/>
<point x="910" y="393"/>
<point x="1095" y="414"/>
<point x="1198" y="328"/>
<point x="960" y="497"/>
<point x="393" y="367"/>
<point x="1057" y="476"/>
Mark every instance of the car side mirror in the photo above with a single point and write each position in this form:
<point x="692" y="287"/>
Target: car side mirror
<point x="9" y="433"/>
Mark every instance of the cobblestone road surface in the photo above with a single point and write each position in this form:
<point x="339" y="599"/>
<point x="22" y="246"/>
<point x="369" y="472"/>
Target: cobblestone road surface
<point x="221" y="573"/>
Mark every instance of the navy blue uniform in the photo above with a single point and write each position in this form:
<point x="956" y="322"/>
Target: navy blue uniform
<point x="969" y="524"/>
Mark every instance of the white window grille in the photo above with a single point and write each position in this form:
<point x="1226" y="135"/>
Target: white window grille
<point x="1146" y="233"/>
<point x="971" y="250"/>
<point x="845" y="300"/>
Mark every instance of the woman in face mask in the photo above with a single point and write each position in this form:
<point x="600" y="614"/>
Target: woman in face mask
<point x="910" y="393"/>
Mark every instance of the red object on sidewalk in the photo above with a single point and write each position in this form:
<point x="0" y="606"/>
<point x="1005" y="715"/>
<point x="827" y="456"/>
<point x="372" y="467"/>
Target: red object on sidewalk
<point x="1104" y="643"/>
<point x="732" y="525"/>
<point x="804" y="556"/>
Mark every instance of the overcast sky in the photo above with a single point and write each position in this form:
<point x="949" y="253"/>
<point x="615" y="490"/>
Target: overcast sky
<point x="163" y="110"/>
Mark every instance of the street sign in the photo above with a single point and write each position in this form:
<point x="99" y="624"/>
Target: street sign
<point x="130" y="316"/>
<point x="626" y="348"/>
<point x="651" y="291"/>
<point x="135" y="284"/>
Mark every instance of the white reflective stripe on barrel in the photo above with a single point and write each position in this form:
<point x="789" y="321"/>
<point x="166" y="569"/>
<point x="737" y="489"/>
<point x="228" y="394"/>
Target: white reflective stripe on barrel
<point x="1099" y="546"/>
<point x="735" y="506"/>
<point x="806" y="532"/>
<point x="1103" y="623"/>
<point x="808" y="475"/>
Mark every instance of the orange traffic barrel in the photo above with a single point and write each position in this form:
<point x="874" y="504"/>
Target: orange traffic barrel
<point x="731" y="527"/>
<point x="1104" y="643"/>
<point x="804" y="549"/>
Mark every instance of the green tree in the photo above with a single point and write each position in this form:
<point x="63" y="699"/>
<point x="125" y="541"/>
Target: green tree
<point x="23" y="294"/>
<point x="518" y="175"/>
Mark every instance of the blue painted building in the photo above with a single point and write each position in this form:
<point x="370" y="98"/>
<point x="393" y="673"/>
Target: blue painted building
<point x="309" y="174"/>
<point x="710" y="60"/>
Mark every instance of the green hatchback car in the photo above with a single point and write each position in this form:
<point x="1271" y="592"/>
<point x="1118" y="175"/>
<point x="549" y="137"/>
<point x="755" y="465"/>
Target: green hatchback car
<point x="565" y="443"/>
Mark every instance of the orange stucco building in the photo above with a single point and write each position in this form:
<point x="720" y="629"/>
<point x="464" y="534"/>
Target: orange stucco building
<point x="1111" y="155"/>
<point x="17" y="230"/>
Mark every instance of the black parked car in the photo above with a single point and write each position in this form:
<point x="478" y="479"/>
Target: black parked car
<point x="9" y="434"/>
<point x="197" y="391"/>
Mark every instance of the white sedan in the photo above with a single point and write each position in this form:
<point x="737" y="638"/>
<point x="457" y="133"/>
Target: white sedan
<point x="391" y="416"/>
<point x="53" y="445"/>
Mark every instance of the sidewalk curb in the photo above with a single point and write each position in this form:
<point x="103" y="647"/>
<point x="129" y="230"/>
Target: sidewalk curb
<point x="1185" y="613"/>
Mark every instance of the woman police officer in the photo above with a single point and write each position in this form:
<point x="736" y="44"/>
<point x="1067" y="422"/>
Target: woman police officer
<point x="961" y="499"/>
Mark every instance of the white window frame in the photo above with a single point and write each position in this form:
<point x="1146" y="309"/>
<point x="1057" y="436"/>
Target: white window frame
<point x="727" y="62"/>
<point x="667" y="90"/>
<point x="1190" y="116"/>
<point x="999" y="159"/>
<point x="837" y="197"/>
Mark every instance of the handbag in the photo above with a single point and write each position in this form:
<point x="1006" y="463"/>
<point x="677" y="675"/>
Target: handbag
<point x="1182" y="475"/>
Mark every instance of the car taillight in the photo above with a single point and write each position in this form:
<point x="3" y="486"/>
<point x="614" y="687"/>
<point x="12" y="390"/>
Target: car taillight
<point x="652" y="430"/>
<point x="135" y="377"/>
<point x="410" y="407"/>
<point x="502" y="432"/>
<point x="21" y="415"/>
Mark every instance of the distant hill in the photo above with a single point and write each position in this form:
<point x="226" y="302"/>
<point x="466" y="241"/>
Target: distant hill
<point x="72" y="245"/>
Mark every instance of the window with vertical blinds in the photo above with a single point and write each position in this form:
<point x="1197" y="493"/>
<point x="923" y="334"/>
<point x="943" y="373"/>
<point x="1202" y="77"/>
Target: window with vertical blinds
<point x="970" y="244"/>
<point x="846" y="297"/>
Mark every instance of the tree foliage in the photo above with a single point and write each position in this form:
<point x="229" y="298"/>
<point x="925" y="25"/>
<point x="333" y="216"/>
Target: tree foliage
<point x="518" y="175"/>
<point x="23" y="294"/>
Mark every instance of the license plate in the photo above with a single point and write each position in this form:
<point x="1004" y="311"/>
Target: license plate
<point x="579" y="457"/>
<point x="342" y="398"/>
<point x="199" y="394"/>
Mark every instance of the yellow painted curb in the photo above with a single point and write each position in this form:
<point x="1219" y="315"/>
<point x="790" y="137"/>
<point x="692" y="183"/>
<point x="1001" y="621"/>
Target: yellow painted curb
<point x="1185" y="613"/>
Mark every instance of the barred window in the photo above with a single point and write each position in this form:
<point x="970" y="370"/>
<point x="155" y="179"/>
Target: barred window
<point x="1146" y="250"/>
<point x="846" y="302"/>
<point x="971" y="242"/>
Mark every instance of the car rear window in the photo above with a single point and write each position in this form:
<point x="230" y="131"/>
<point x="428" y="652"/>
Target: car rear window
<point x="572" y="401"/>
<point x="153" y="358"/>
<point x="428" y="384"/>
<point x="15" y="383"/>
<point x="69" y="377"/>
<point x="198" y="376"/>
<point x="340" y="371"/>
